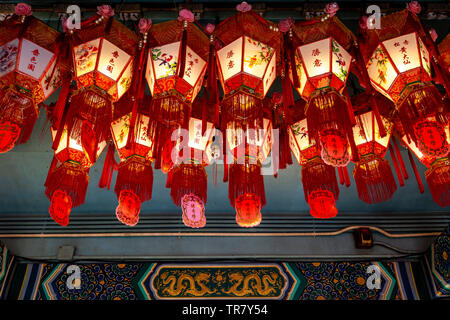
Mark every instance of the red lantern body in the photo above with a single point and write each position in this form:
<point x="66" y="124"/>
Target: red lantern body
<point x="317" y="177"/>
<point x="248" y="210"/>
<point x="29" y="73"/>
<point x="322" y="65"/>
<point x="129" y="207"/>
<point x="173" y="93"/>
<point x="247" y="62"/>
<point x="193" y="211"/>
<point x="398" y="63"/>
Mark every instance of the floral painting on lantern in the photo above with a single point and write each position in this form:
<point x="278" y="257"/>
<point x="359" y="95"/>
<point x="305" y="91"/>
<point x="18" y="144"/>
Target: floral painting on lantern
<point x="425" y="57"/>
<point x="164" y="62"/>
<point x="8" y="56"/>
<point x="257" y="56"/>
<point x="86" y="56"/>
<point x="340" y="61"/>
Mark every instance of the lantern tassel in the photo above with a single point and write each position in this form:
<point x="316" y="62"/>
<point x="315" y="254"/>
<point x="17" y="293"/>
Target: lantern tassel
<point x="416" y="173"/>
<point x="346" y="176"/>
<point x="183" y="51"/>
<point x="246" y="179"/>
<point x="213" y="90"/>
<point x="204" y="115"/>
<point x="397" y="169"/>
<point x="186" y="179"/>
<point x="108" y="168"/>
<point x="380" y="123"/>
<point x="291" y="52"/>
<point x="341" y="175"/>
<point x="135" y="174"/>
<point x="400" y="159"/>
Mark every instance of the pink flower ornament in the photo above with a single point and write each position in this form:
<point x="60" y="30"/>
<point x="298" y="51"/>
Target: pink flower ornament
<point x="285" y="24"/>
<point x="186" y="15"/>
<point x="145" y="25"/>
<point x="331" y="9"/>
<point x="244" y="7"/>
<point x="22" y="9"/>
<point x="414" y="7"/>
<point x="105" y="11"/>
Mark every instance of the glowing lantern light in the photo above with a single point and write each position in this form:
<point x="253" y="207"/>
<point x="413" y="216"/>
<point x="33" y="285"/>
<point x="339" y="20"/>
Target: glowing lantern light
<point x="322" y="204"/>
<point x="103" y="52"/>
<point x="322" y="65"/>
<point x="29" y="73"/>
<point x="398" y="63"/>
<point x="129" y="207"/>
<point x="373" y="175"/>
<point x="438" y="172"/>
<point x="248" y="210"/>
<point x="69" y="172"/>
<point x="193" y="211"/>
<point x="60" y="207"/>
<point x="247" y="62"/>
<point x="188" y="179"/>
<point x="319" y="181"/>
<point x="175" y="45"/>
<point x="135" y="144"/>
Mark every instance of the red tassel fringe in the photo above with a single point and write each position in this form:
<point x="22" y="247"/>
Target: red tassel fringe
<point x="246" y="179"/>
<point x="318" y="175"/>
<point x="438" y="179"/>
<point x="374" y="179"/>
<point x="135" y="174"/>
<point x="189" y="178"/>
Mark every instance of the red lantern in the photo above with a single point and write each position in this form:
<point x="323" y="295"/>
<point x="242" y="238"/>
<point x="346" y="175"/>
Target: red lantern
<point x="187" y="179"/>
<point x="438" y="172"/>
<point x="60" y="207"/>
<point x="247" y="63"/>
<point x="373" y="175"/>
<point x="318" y="178"/>
<point x="248" y="210"/>
<point x="136" y="151"/>
<point x="129" y="207"/>
<point x="103" y="52"/>
<point x="322" y="204"/>
<point x="193" y="211"/>
<point x="29" y="73"/>
<point x="322" y="64"/>
<point x="69" y="172"/>
<point x="398" y="62"/>
<point x="246" y="193"/>
<point x="175" y="45"/>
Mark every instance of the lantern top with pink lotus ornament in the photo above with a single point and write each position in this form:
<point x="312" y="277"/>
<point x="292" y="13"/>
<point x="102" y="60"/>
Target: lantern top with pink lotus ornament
<point x="163" y="61"/>
<point x="28" y="58"/>
<point x="249" y="55"/>
<point x="70" y="148"/>
<point x="396" y="55"/>
<point x="103" y="57"/>
<point x="322" y="55"/>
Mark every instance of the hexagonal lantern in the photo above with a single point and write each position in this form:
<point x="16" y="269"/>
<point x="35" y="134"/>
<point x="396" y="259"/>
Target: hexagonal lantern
<point x="29" y="73"/>
<point x="173" y="93"/>
<point x="247" y="62"/>
<point x="398" y="63"/>
<point x="319" y="179"/>
<point x="322" y="64"/>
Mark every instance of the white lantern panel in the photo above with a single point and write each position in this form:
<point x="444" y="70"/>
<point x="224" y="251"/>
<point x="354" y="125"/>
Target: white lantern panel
<point x="140" y="131"/>
<point x="380" y="69"/>
<point x="365" y="134"/>
<point x="112" y="60"/>
<point x="293" y="146"/>
<point x="120" y="129"/>
<point x="196" y="139"/>
<point x="50" y="83"/>
<point x="316" y="57"/>
<point x="198" y="87"/>
<point x="73" y="143"/>
<point x="235" y="137"/>
<point x="425" y="56"/>
<point x="300" y="134"/>
<point x="267" y="146"/>
<point x="165" y="60"/>
<point x="124" y="82"/>
<point x="403" y="52"/>
<point x="193" y="67"/>
<point x="230" y="58"/>
<point x="341" y="60"/>
<point x="301" y="74"/>
<point x="86" y="56"/>
<point x="33" y="59"/>
<point x="149" y="74"/>
<point x="270" y="74"/>
<point x="8" y="57"/>
<point x="257" y="56"/>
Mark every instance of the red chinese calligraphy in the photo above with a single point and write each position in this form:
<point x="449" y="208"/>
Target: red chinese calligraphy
<point x="230" y="54"/>
<point x="317" y="63"/>
<point x="115" y="54"/>
<point x="230" y="64"/>
<point x="315" y="52"/>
